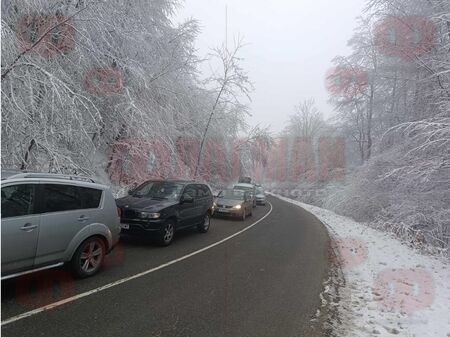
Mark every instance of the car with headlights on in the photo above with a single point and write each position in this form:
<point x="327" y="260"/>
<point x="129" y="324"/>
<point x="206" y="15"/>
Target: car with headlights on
<point x="162" y="207"/>
<point x="234" y="203"/>
<point x="250" y="188"/>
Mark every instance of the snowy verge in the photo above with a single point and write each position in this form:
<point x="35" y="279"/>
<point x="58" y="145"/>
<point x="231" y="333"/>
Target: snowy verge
<point x="389" y="289"/>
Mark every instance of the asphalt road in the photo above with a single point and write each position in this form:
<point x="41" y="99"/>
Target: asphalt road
<point x="263" y="282"/>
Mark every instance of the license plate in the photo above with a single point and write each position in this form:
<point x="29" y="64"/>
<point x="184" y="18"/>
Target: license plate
<point x="124" y="226"/>
<point x="224" y="210"/>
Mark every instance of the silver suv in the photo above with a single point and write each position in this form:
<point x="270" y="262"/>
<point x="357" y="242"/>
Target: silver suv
<point x="49" y="220"/>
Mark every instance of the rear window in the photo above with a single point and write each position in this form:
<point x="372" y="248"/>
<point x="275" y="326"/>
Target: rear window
<point x="90" y="197"/>
<point x="60" y="198"/>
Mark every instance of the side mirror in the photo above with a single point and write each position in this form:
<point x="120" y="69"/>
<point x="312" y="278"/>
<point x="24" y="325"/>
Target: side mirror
<point x="186" y="199"/>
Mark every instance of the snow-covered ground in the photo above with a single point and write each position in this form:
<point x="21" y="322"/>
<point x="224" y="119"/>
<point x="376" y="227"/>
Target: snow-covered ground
<point x="389" y="289"/>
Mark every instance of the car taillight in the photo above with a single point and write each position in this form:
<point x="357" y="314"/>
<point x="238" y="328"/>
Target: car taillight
<point x="119" y="212"/>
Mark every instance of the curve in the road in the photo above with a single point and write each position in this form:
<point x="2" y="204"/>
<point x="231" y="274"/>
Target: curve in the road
<point x="129" y="278"/>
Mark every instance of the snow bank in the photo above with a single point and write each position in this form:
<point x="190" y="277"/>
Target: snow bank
<point x="389" y="288"/>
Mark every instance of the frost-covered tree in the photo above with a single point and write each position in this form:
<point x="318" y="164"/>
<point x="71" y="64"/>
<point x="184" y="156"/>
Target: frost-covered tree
<point x="81" y="79"/>
<point x="306" y="122"/>
<point x="399" y="119"/>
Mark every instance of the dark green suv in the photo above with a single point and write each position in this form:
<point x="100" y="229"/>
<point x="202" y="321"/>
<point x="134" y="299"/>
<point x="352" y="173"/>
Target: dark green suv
<point x="162" y="207"/>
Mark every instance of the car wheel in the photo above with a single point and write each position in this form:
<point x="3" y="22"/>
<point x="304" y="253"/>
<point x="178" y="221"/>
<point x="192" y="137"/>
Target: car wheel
<point x="88" y="257"/>
<point x="167" y="233"/>
<point x="244" y="215"/>
<point x="204" y="226"/>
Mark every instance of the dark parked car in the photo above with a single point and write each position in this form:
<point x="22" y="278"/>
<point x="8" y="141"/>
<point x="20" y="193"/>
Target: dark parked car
<point x="235" y="203"/>
<point x="163" y="207"/>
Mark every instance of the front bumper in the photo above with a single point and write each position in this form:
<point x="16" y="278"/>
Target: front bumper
<point x="229" y="212"/>
<point x="137" y="227"/>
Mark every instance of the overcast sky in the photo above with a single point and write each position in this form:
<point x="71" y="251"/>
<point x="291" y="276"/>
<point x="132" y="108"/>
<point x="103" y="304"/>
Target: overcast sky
<point x="291" y="45"/>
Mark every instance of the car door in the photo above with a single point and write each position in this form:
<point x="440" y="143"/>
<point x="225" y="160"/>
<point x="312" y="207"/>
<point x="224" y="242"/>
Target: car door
<point x="188" y="211"/>
<point x="63" y="216"/>
<point x="253" y="192"/>
<point x="201" y="202"/>
<point x="20" y="227"/>
<point x="248" y="202"/>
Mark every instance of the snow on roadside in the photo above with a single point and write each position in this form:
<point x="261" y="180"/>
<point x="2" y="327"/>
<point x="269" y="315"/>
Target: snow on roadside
<point x="389" y="289"/>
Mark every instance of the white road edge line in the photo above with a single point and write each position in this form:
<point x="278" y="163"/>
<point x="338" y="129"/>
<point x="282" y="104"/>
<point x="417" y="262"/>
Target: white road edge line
<point x="126" y="279"/>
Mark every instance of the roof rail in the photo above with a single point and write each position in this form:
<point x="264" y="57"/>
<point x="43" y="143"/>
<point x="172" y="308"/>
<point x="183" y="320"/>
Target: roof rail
<point x="52" y="176"/>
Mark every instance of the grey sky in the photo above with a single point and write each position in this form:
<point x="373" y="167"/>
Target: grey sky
<point x="291" y="45"/>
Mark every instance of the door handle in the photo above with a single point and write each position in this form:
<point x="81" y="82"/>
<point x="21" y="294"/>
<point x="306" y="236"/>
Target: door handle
<point x="83" y="218"/>
<point x="28" y="227"/>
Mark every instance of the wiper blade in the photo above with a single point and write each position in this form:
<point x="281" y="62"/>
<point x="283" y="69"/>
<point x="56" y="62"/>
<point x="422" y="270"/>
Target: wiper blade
<point x="158" y="198"/>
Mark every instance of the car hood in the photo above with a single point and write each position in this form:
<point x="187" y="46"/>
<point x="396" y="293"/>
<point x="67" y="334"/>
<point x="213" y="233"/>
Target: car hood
<point x="260" y="196"/>
<point x="144" y="204"/>
<point x="229" y="202"/>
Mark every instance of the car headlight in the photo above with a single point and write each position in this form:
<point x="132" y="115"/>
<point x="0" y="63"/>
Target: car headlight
<point x="214" y="205"/>
<point x="237" y="207"/>
<point x="146" y="215"/>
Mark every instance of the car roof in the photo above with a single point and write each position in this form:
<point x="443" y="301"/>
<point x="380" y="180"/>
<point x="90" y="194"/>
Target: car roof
<point x="232" y="191"/>
<point x="11" y="176"/>
<point x="244" y="185"/>
<point x="57" y="181"/>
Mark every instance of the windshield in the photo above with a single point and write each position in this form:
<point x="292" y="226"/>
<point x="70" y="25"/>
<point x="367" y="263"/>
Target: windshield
<point x="260" y="190"/>
<point x="158" y="190"/>
<point x="232" y="194"/>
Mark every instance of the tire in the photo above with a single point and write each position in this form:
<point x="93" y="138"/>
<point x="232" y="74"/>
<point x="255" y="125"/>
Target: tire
<point x="167" y="233"/>
<point x="204" y="227"/>
<point x="251" y="212"/>
<point x="88" y="257"/>
<point x="243" y="216"/>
